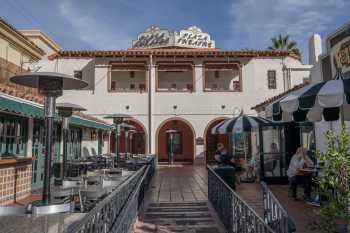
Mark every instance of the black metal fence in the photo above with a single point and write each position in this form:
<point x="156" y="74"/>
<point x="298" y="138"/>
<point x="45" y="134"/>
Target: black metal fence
<point x="274" y="214"/>
<point x="236" y="215"/>
<point x="117" y="213"/>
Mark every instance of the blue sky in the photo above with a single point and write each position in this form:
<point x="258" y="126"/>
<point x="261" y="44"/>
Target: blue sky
<point x="233" y="24"/>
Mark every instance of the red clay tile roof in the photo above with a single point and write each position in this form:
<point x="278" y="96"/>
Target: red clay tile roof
<point x="13" y="91"/>
<point x="171" y="52"/>
<point x="19" y="34"/>
<point x="276" y="97"/>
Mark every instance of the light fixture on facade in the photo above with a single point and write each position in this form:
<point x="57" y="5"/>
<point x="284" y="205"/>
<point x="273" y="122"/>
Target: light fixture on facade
<point x="223" y="106"/>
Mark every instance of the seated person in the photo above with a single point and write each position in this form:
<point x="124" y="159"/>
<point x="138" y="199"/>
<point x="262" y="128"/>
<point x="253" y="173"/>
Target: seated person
<point x="300" y="160"/>
<point x="253" y="165"/>
<point x="222" y="157"/>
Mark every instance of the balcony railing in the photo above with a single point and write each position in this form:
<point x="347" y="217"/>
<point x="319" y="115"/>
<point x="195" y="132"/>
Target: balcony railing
<point x="236" y="215"/>
<point x="117" y="213"/>
<point x="274" y="214"/>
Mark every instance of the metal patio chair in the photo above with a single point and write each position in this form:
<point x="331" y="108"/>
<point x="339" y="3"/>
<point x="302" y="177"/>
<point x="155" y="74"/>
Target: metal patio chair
<point x="53" y="209"/>
<point x="88" y="199"/>
<point x="12" y="210"/>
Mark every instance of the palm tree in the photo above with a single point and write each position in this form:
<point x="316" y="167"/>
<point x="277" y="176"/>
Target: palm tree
<point x="283" y="43"/>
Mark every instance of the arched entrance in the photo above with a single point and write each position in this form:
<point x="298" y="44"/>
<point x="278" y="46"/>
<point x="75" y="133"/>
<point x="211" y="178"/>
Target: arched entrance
<point x="211" y="140"/>
<point x="183" y="142"/>
<point x="134" y="142"/>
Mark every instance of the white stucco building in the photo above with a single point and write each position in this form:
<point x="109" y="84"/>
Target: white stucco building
<point x="176" y="80"/>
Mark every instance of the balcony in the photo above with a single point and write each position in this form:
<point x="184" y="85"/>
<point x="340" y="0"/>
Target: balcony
<point x="222" y="77"/>
<point x="128" y="77"/>
<point x="175" y="77"/>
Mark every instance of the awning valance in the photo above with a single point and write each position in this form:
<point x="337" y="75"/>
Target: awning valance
<point x="30" y="110"/>
<point x="137" y="66"/>
<point x="221" y="66"/>
<point x="15" y="106"/>
<point x="174" y="66"/>
<point x="78" y="121"/>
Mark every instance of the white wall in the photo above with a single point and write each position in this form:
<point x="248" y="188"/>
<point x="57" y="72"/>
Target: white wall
<point x="123" y="80"/>
<point x="224" y="81"/>
<point x="181" y="79"/>
<point x="199" y="107"/>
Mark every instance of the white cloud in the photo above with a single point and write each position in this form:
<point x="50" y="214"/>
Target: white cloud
<point x="258" y="20"/>
<point x="96" y="33"/>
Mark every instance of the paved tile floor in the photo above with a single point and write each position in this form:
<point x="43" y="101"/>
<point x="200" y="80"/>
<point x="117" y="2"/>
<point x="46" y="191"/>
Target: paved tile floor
<point x="177" y="202"/>
<point x="301" y="213"/>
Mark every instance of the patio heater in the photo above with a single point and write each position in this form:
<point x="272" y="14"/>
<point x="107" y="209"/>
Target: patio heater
<point x="171" y="133"/>
<point x="118" y="119"/>
<point x="65" y="110"/>
<point x="51" y="86"/>
<point x="126" y="127"/>
<point x="130" y="134"/>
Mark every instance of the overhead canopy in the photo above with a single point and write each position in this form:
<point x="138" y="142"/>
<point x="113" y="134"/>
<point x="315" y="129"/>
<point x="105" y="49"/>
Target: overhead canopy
<point x="242" y="123"/>
<point x="78" y="121"/>
<point x="313" y="101"/>
<point x="30" y="110"/>
<point x="15" y="106"/>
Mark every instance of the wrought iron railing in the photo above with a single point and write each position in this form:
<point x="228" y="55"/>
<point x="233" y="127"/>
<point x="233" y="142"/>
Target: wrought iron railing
<point x="274" y="213"/>
<point x="118" y="211"/>
<point x="236" y="215"/>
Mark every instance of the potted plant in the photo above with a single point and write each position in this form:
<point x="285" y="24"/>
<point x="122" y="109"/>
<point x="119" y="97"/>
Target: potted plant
<point x="333" y="184"/>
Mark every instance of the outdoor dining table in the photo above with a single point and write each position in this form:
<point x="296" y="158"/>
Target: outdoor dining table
<point x="82" y="165"/>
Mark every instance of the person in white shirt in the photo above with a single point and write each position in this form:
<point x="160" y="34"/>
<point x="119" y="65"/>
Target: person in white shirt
<point x="297" y="174"/>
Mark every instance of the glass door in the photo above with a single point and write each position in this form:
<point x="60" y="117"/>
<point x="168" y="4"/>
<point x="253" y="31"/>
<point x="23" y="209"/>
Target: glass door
<point x="175" y="145"/>
<point x="273" y="157"/>
<point x="38" y="152"/>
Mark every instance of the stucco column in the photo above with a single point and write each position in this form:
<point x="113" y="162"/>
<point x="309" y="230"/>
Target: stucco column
<point x="198" y="77"/>
<point x="109" y="141"/>
<point x="30" y="137"/>
<point x="152" y="72"/>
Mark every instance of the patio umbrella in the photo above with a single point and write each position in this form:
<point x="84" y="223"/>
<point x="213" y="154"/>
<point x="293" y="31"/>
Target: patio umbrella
<point x="330" y="99"/>
<point x="242" y="123"/>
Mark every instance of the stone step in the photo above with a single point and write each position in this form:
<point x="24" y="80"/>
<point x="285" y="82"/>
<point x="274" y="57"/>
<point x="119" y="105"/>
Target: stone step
<point x="182" y="217"/>
<point x="174" y="204"/>
<point x="177" y="209"/>
<point x="177" y="215"/>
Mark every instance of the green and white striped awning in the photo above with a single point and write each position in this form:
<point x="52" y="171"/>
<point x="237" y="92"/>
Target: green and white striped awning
<point x="14" y="106"/>
<point x="31" y="110"/>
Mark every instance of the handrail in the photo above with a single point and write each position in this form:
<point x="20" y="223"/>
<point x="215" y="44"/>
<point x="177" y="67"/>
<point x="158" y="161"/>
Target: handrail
<point x="274" y="213"/>
<point x="236" y="215"/>
<point x="104" y="216"/>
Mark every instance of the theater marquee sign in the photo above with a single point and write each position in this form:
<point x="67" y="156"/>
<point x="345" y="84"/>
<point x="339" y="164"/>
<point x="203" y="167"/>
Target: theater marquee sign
<point x="339" y="45"/>
<point x="154" y="37"/>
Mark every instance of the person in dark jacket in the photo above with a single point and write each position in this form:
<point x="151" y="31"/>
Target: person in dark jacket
<point x="222" y="157"/>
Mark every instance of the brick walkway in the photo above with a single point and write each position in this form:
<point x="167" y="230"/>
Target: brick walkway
<point x="177" y="202"/>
